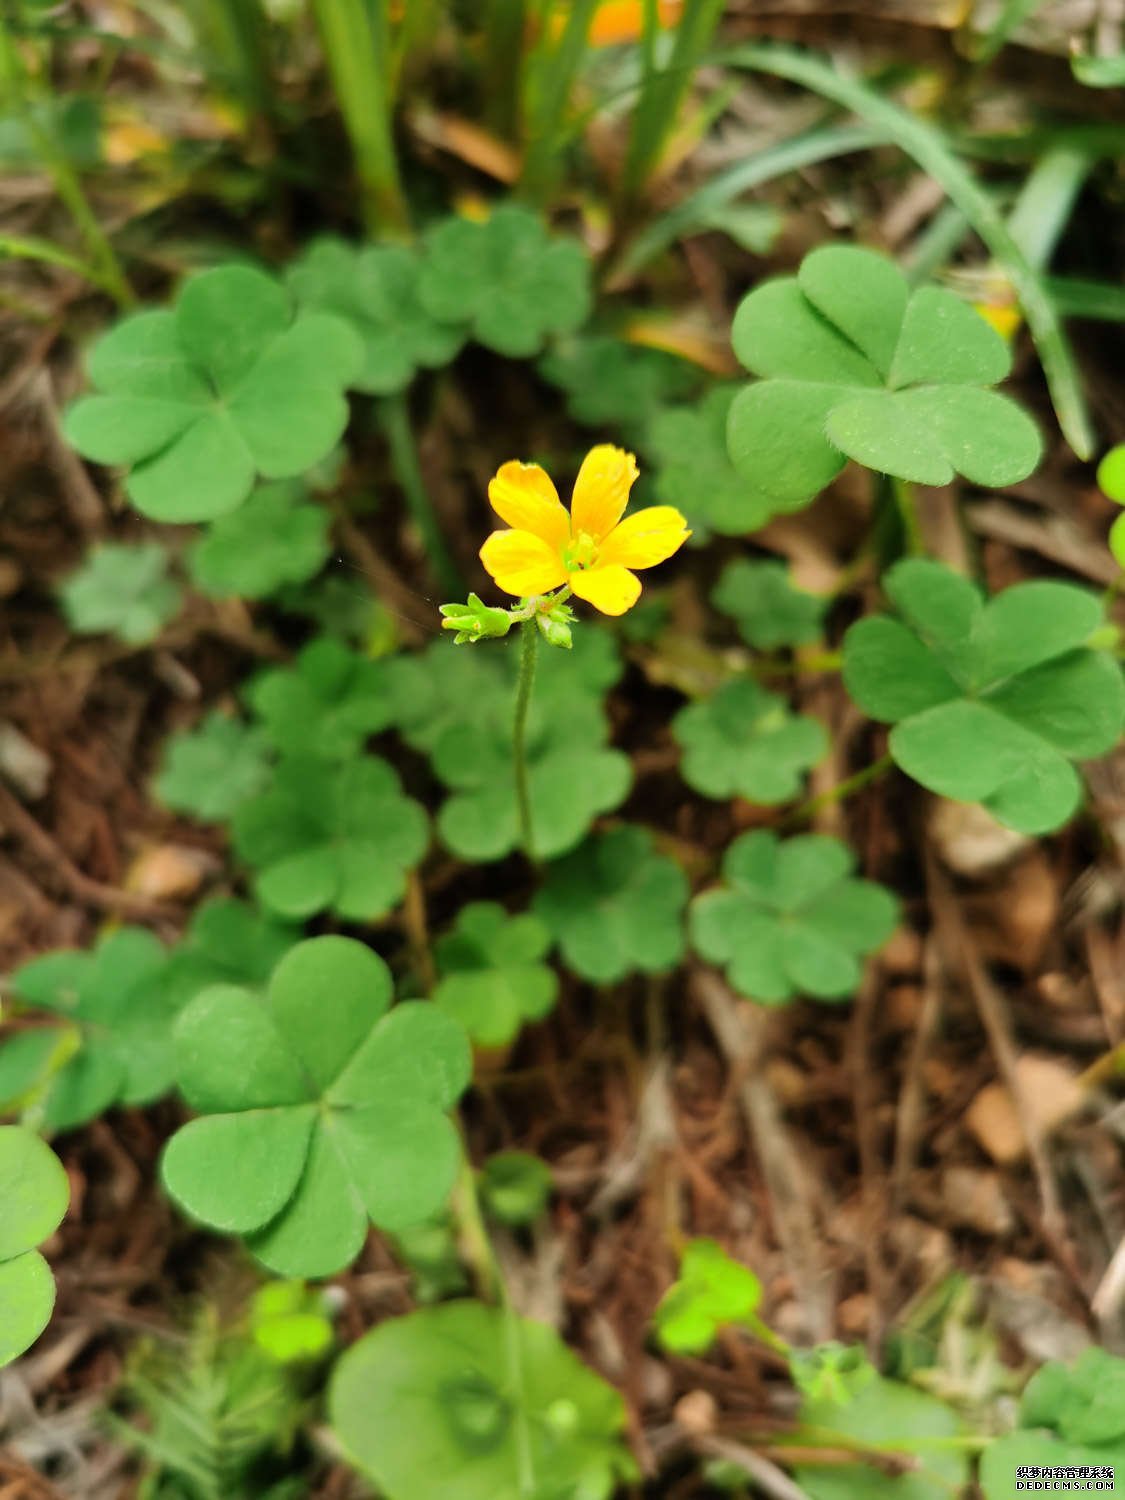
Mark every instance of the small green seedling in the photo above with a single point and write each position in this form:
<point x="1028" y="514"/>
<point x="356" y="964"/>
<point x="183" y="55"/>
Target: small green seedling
<point x="115" y="1005"/>
<point x="279" y="537"/>
<point x="209" y="771"/>
<point x="1111" y="482"/>
<point x="201" y="399"/>
<point x="290" y="1322"/>
<point x="326" y="837"/>
<point x="616" y="907"/>
<point x="474" y="1401"/>
<point x="326" y="704"/>
<point x="493" y="979"/>
<point x="768" y="610"/>
<point x="791" y="918"/>
<point x="35" y="1193"/>
<point x="321" y="1109"/>
<point x="990" y="701"/>
<point x="855" y="365"/>
<point x="123" y="590"/>
<point x="515" y="1188"/>
<point x="505" y="279"/>
<point x="694" y="472"/>
<point x="610" y="383"/>
<point x="744" y="742"/>
<point x="375" y="288"/>
<point x="713" y="1292"/>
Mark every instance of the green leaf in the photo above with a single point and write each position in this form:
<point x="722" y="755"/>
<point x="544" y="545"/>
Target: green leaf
<point x="320" y="1109"/>
<point x="515" y="1187"/>
<point x="326" y="705"/>
<point x="506" y="279"/>
<point x="376" y="289"/>
<point x="895" y="1419"/>
<point x="854" y="369"/>
<point x="278" y="537"/>
<point x="492" y="975"/>
<point x="694" y="472"/>
<point x="124" y="590"/>
<point x="609" y="382"/>
<point x="768" y="610"/>
<point x="615" y="906"/>
<point x="118" y="998"/>
<point x="209" y="771"/>
<point x="227" y="942"/>
<point x="1083" y="1402"/>
<point x="227" y="385"/>
<point x="475" y="1401"/>
<point x="712" y="1292"/>
<point x="744" y="742"/>
<point x="323" y="837"/>
<point x="1111" y="474"/>
<point x="1039" y="1450"/>
<point x="791" y="918"/>
<point x="990" y="702"/>
<point x="35" y="1192"/>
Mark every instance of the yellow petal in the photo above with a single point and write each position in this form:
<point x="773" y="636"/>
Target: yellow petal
<point x="521" y="563"/>
<point x="523" y="495"/>
<point x="613" y="590"/>
<point x="646" y="538"/>
<point x="601" y="491"/>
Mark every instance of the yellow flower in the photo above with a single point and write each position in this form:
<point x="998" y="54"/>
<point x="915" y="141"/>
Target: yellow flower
<point x="592" y="549"/>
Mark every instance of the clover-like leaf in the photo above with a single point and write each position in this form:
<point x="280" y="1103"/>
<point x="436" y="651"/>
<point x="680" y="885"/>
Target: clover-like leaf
<point x="991" y="702"/>
<point x="208" y="771"/>
<point x="278" y="537"/>
<point x="202" y="398"/>
<point x="35" y="1193"/>
<point x="116" y="1000"/>
<point x="477" y="1402"/>
<point x="375" y="287"/>
<point x="791" y="918"/>
<point x="320" y="1110"/>
<point x="291" y="1322"/>
<point x="507" y="279"/>
<point x="326" y="704"/>
<point x="694" y="472"/>
<point x="611" y="383"/>
<point x="493" y="978"/>
<point x="745" y="742"/>
<point x="768" y="610"/>
<point x="515" y="1187"/>
<point x="124" y="590"/>
<point x="854" y="365"/>
<point x="890" y="1417"/>
<point x="712" y="1292"/>
<point x="615" y="906"/>
<point x="324" y="837"/>
<point x="226" y="942"/>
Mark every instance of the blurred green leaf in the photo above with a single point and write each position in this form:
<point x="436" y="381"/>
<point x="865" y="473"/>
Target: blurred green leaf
<point x="515" y="1187"/>
<point x="124" y="590"/>
<point x="712" y="1292"/>
<point x="209" y="771"/>
<point x="327" y="704"/>
<point x="278" y="537"/>
<point x="769" y="611"/>
<point x="745" y="742"/>
<point x="492" y="975"/>
<point x="35" y="1192"/>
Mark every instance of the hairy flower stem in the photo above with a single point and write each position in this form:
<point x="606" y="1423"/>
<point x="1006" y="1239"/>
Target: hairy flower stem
<point x="529" y="644"/>
<point x="394" y="418"/>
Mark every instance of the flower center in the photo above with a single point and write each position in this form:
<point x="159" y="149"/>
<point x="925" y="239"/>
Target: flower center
<point x="582" y="552"/>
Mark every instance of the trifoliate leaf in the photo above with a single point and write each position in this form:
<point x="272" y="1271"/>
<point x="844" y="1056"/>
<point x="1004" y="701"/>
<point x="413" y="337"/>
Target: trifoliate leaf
<point x="123" y="590"/>
<point x="890" y="1417"/>
<point x="611" y="383"/>
<point x="990" y="701"/>
<point x="492" y="975"/>
<point x="857" y="366"/>
<point x="768" y="610"/>
<point x="323" y="837"/>
<point x="791" y="918"/>
<point x="209" y="771"/>
<point x="744" y="742"/>
<point x="35" y="1192"/>
<point x="507" y="279"/>
<point x="477" y="1402"/>
<point x="227" y="942"/>
<point x="319" y="1111"/>
<point x="615" y="906"/>
<point x="116" y="998"/>
<point x="375" y="288"/>
<point x="278" y="537"/>
<point x="202" y="398"/>
<point x="712" y="1292"/>
<point x="688" y="445"/>
<point x="515" y="1187"/>
<point x="326" y="704"/>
